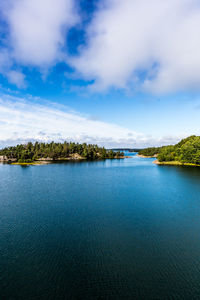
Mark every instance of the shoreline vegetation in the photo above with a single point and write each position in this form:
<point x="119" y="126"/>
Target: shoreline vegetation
<point x="184" y="153"/>
<point x="146" y="156"/>
<point x="44" y="153"/>
<point x="174" y="163"/>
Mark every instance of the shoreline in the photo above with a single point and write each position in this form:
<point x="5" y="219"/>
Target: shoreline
<point x="169" y="163"/>
<point x="144" y="156"/>
<point x="31" y="163"/>
<point x="174" y="163"/>
<point x="45" y="162"/>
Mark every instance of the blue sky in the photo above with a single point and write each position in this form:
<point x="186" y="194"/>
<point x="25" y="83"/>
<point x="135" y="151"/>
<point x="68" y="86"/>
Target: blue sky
<point x="115" y="72"/>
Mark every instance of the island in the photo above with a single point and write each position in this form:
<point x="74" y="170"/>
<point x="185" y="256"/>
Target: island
<point x="186" y="152"/>
<point x="42" y="153"/>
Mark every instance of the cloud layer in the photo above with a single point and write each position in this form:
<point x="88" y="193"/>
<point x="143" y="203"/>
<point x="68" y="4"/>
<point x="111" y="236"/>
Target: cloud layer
<point x="22" y="121"/>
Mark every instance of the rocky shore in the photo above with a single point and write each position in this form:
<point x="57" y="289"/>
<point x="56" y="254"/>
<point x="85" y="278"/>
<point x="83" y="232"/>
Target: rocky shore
<point x="4" y="158"/>
<point x="48" y="160"/>
<point x="144" y="156"/>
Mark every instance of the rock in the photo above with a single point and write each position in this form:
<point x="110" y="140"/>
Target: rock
<point x="76" y="156"/>
<point x="4" y="158"/>
<point x="45" y="159"/>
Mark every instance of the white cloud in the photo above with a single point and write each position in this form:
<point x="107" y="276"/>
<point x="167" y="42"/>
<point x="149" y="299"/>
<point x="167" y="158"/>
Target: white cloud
<point x="22" y="120"/>
<point x="140" y="44"/>
<point x="13" y="76"/>
<point x="33" y="33"/>
<point x="38" y="29"/>
<point x="159" y="40"/>
<point x="5" y="62"/>
<point x="17" y="78"/>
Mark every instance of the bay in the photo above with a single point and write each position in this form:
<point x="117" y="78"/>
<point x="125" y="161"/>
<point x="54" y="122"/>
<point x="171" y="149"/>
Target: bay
<point x="113" y="229"/>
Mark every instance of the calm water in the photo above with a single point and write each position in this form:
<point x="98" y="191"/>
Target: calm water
<point x="114" y="229"/>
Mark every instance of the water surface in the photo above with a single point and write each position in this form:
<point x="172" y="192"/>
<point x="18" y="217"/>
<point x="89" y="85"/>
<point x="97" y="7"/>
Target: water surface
<point x="114" y="229"/>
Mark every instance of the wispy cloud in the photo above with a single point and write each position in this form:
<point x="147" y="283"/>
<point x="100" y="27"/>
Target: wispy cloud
<point x="22" y="121"/>
<point x="17" y="78"/>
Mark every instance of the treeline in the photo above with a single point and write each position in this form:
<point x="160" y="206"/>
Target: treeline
<point x="151" y="151"/>
<point x="186" y="151"/>
<point x="31" y="152"/>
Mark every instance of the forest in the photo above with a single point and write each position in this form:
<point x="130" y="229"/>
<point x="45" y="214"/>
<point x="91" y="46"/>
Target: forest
<point x="151" y="151"/>
<point x="186" y="151"/>
<point x="30" y="152"/>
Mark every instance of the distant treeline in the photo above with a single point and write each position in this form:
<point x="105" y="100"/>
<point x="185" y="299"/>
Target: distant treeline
<point x="151" y="151"/>
<point x="33" y="151"/>
<point x="186" y="151"/>
<point x="126" y="149"/>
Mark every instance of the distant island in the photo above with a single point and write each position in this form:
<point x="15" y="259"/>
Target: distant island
<point x="186" y="152"/>
<point x="38" y="153"/>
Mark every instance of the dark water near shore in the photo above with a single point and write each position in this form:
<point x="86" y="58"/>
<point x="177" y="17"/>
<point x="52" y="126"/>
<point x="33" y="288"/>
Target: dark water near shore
<point x="114" y="229"/>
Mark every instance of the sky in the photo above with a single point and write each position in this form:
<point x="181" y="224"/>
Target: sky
<point x="111" y="72"/>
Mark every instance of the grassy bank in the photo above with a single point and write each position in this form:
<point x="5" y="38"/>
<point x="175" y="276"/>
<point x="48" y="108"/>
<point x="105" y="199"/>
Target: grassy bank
<point x="174" y="163"/>
<point x="31" y="163"/>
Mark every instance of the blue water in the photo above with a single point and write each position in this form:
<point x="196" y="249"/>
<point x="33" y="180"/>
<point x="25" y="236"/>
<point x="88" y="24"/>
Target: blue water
<point x="114" y="229"/>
